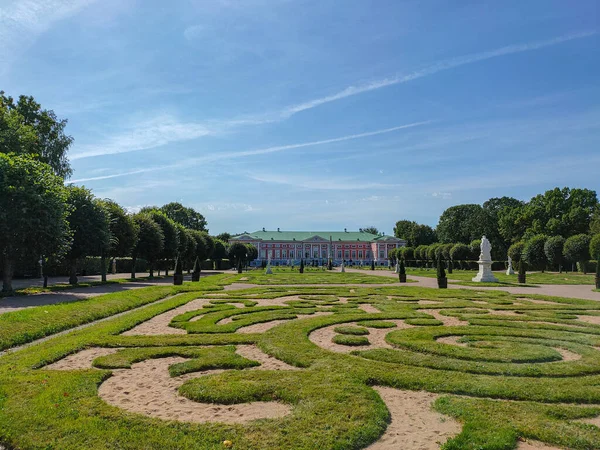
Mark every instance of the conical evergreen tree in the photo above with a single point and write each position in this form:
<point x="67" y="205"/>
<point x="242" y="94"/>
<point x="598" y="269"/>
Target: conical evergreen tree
<point x="178" y="274"/>
<point x="441" y="273"/>
<point x="197" y="270"/>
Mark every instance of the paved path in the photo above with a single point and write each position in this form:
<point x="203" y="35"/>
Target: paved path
<point x="17" y="302"/>
<point x="584" y="291"/>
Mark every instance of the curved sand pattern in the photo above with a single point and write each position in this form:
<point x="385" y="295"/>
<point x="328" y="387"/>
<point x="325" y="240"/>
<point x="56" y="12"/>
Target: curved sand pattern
<point x="534" y="445"/>
<point x="81" y="360"/>
<point x="449" y="321"/>
<point x="147" y="388"/>
<point x="160" y="324"/>
<point x="415" y="425"/>
<point x="323" y="337"/>
<point x="265" y="326"/>
<point x="368" y="308"/>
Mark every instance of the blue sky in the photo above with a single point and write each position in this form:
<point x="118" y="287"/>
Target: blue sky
<point x="314" y="114"/>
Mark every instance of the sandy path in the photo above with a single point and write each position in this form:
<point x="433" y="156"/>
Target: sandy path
<point x="81" y="360"/>
<point x="448" y="321"/>
<point x="595" y="320"/>
<point x="323" y="337"/>
<point x="415" y="425"/>
<point x="262" y="327"/>
<point x="266" y="362"/>
<point x="368" y="308"/>
<point x="147" y="388"/>
<point x="451" y="340"/>
<point x="534" y="445"/>
<point x="160" y="324"/>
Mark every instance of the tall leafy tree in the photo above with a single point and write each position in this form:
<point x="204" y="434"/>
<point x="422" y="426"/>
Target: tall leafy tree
<point x="403" y="230"/>
<point x="149" y="244"/>
<point x="90" y="223"/>
<point x="595" y="247"/>
<point x="188" y="217"/>
<point x="33" y="212"/>
<point x="201" y="248"/>
<point x="224" y="237"/>
<point x="51" y="144"/>
<point x="123" y="233"/>
<point x="461" y="223"/>
<point x="170" y="237"/>
<point x="422" y="235"/>
<point x="372" y="230"/>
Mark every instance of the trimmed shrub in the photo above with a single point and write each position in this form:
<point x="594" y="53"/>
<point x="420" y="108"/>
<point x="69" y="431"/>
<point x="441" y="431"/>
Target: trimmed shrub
<point x="515" y="251"/>
<point x="533" y="252"/>
<point x="595" y="247"/>
<point x="475" y="247"/>
<point x="553" y="248"/>
<point x="460" y="252"/>
<point x="577" y="250"/>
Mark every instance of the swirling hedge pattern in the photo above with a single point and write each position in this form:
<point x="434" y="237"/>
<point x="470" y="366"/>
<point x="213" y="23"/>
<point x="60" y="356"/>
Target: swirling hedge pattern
<point x="508" y="368"/>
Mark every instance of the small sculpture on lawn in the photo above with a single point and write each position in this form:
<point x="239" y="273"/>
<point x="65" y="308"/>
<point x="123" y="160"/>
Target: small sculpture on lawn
<point x="510" y="270"/>
<point x="485" y="274"/>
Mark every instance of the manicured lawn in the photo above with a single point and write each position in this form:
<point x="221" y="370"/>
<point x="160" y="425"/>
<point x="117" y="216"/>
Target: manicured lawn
<point x="310" y="276"/>
<point x="506" y="367"/>
<point x="532" y="277"/>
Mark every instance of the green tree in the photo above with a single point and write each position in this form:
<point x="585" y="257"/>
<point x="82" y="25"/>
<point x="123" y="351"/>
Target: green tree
<point x="407" y="253"/>
<point x="170" y="237"/>
<point x="461" y="223"/>
<point x="534" y="253"/>
<point x="553" y="248"/>
<point x="577" y="249"/>
<point x="210" y="244"/>
<point x="89" y="222"/>
<point x="220" y="252"/>
<point x="237" y="254"/>
<point x="50" y="144"/>
<point x="201" y="245"/>
<point x="460" y="252"/>
<point x="33" y="212"/>
<point x="150" y="242"/>
<point x="123" y="233"/>
<point x="183" y="240"/>
<point x="595" y="246"/>
<point x="475" y="247"/>
<point x="404" y="229"/>
<point x="224" y="237"/>
<point x="515" y="251"/>
<point x="188" y="217"/>
<point x="422" y="235"/>
<point x="371" y="229"/>
<point x="595" y="221"/>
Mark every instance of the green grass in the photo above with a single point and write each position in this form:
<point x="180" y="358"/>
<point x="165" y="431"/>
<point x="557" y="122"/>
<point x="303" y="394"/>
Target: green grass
<point x="510" y="280"/>
<point x="351" y="330"/>
<point x="507" y="379"/>
<point x="311" y="276"/>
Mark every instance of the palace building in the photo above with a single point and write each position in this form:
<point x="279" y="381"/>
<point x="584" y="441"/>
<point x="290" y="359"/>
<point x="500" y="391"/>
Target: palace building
<point x="288" y="247"/>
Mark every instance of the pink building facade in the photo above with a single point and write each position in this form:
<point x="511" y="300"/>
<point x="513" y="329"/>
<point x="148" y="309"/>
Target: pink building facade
<point x="288" y="247"/>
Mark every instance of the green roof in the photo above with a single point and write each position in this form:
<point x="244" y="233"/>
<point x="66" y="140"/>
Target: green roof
<point x="305" y="235"/>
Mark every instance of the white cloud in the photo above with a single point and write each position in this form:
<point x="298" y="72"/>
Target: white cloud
<point x="193" y="32"/>
<point x="22" y="21"/>
<point x="432" y="69"/>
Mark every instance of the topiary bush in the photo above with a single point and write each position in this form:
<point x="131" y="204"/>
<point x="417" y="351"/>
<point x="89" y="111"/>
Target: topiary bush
<point x="402" y="271"/>
<point x="522" y="277"/>
<point x="595" y="246"/>
<point x="534" y="253"/>
<point x="515" y="251"/>
<point x="441" y="274"/>
<point x="196" y="272"/>
<point x="178" y="274"/>
<point x="577" y="250"/>
<point x="553" y="248"/>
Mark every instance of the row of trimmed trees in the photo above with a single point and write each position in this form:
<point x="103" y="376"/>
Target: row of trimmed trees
<point x="543" y="252"/>
<point x="429" y="254"/>
<point x="39" y="215"/>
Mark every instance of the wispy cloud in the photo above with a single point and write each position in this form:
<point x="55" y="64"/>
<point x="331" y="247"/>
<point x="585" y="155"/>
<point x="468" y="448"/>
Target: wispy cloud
<point x="432" y="69"/>
<point x="321" y="183"/>
<point x="21" y="22"/>
<point x="247" y="153"/>
<point x="153" y="133"/>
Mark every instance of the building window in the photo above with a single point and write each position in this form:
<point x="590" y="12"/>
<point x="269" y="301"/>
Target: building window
<point x="381" y="254"/>
<point x="307" y="254"/>
<point x="315" y="253"/>
<point x="353" y="254"/>
<point x="277" y="252"/>
<point x="346" y="254"/>
<point x="339" y="254"/>
<point x="263" y="254"/>
<point x="291" y="253"/>
<point x="368" y="255"/>
<point x="360" y="254"/>
<point x="284" y="253"/>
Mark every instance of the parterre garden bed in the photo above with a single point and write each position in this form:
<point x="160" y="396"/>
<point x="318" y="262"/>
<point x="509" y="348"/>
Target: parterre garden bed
<point x="304" y="368"/>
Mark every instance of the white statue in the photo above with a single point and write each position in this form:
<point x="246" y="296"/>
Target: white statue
<point x="269" y="271"/>
<point x="343" y="269"/>
<point x="510" y="270"/>
<point x="397" y="267"/>
<point x="485" y="274"/>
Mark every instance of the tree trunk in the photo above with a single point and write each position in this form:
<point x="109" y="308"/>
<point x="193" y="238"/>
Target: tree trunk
<point x="151" y="270"/>
<point x="103" y="266"/>
<point x="73" y="273"/>
<point x="133" y="262"/>
<point x="166" y="267"/>
<point x="7" y="274"/>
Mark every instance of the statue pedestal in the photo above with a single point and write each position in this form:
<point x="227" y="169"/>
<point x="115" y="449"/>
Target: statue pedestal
<point x="485" y="274"/>
<point x="269" y="271"/>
